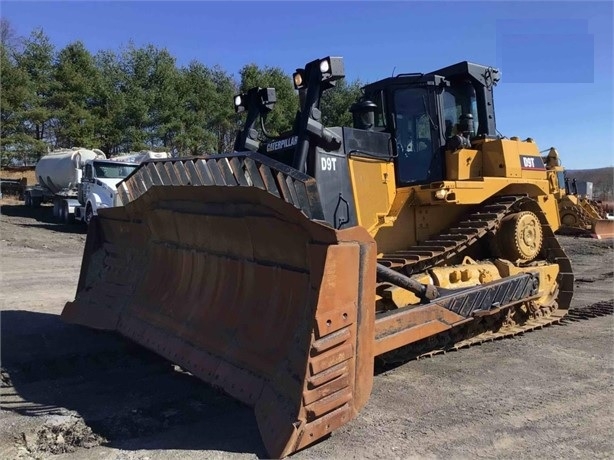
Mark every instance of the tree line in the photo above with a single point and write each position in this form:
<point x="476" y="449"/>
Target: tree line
<point x="132" y="99"/>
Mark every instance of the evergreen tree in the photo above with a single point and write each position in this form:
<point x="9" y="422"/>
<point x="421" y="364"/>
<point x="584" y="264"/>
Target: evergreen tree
<point x="223" y="122"/>
<point x="134" y="99"/>
<point x="208" y="122"/>
<point x="151" y="98"/>
<point x="37" y="62"/>
<point x="136" y="66"/>
<point x="164" y="112"/>
<point x="14" y="138"/>
<point x="73" y="98"/>
<point x="109" y="106"/>
<point x="336" y="103"/>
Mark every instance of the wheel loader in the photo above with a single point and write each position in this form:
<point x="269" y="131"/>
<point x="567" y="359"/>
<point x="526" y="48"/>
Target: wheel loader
<point x="283" y="271"/>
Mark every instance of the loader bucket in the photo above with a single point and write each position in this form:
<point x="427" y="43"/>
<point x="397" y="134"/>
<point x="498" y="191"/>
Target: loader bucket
<point x="603" y="229"/>
<point x="234" y="283"/>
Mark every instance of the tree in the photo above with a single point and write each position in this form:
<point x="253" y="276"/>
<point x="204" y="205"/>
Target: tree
<point x="164" y="112"/>
<point x="37" y="62"/>
<point x="151" y="80"/>
<point x="9" y="38"/>
<point x="224" y="123"/>
<point x="73" y="97"/>
<point x="336" y="103"/>
<point x="196" y="89"/>
<point x="109" y="104"/>
<point x="14" y="140"/>
<point x="208" y="121"/>
<point x="133" y="99"/>
<point x="136" y="67"/>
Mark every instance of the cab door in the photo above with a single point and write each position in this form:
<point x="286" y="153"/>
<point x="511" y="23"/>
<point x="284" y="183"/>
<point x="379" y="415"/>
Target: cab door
<point x="413" y="114"/>
<point x="86" y="183"/>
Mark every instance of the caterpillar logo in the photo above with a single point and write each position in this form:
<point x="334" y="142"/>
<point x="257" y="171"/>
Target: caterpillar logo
<point x="282" y="144"/>
<point x="532" y="163"/>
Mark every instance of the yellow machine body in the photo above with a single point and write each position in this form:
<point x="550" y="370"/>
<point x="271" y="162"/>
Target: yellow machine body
<point x="473" y="175"/>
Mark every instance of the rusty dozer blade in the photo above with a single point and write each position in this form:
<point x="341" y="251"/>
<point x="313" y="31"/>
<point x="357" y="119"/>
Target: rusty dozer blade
<point x="603" y="229"/>
<point x="240" y="288"/>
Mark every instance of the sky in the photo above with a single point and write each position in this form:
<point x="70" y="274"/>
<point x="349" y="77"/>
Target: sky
<point x="555" y="57"/>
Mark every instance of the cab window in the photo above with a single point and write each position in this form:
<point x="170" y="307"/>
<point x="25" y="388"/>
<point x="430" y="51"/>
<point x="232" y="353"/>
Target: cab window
<point x="413" y="134"/>
<point x="459" y="100"/>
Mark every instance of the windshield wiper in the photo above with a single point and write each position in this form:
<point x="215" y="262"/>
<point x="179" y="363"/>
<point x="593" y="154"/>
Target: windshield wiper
<point x="426" y="110"/>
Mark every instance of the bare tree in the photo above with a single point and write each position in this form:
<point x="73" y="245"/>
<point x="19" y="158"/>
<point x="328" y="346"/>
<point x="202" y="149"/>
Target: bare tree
<point x="9" y="38"/>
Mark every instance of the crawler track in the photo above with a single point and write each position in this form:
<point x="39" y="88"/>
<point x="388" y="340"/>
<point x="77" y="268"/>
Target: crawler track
<point x="440" y="248"/>
<point x="506" y="330"/>
<point x="472" y="228"/>
<point x="475" y="226"/>
<point x="451" y="243"/>
<point x="509" y="323"/>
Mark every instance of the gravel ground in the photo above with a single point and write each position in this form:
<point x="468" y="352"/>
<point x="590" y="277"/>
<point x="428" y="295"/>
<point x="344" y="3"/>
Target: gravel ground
<point x="73" y="393"/>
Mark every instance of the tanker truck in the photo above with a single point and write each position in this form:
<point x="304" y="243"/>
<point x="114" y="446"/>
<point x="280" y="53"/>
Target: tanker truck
<point x="79" y="181"/>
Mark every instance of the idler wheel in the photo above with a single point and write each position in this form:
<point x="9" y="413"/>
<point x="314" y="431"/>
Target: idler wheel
<point x="520" y="237"/>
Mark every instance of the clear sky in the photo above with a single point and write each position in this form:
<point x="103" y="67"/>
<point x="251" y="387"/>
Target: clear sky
<point x="555" y="57"/>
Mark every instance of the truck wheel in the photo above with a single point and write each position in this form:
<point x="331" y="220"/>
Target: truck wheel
<point x="64" y="213"/>
<point x="36" y="201"/>
<point x="89" y="213"/>
<point x="28" y="200"/>
<point x="66" y="217"/>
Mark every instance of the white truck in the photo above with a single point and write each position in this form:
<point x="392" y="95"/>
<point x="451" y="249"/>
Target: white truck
<point x="79" y="181"/>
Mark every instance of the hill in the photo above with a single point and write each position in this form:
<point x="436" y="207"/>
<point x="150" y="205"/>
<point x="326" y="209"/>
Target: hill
<point x="602" y="179"/>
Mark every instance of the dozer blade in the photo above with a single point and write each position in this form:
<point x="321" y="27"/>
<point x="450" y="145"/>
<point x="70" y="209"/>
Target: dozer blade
<point x="603" y="229"/>
<point x="240" y="288"/>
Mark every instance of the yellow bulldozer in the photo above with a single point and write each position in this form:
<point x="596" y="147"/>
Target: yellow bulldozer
<point x="581" y="215"/>
<point x="281" y="272"/>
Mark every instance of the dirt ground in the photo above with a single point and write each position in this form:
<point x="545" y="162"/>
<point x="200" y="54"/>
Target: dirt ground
<point x="68" y="392"/>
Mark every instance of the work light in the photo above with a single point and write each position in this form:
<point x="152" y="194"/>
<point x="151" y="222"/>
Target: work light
<point x="331" y="68"/>
<point x="297" y="78"/>
<point x="263" y="98"/>
<point x="238" y="100"/>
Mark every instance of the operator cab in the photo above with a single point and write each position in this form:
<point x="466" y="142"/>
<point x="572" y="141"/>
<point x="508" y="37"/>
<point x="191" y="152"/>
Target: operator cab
<point x="410" y="119"/>
<point x="428" y="114"/>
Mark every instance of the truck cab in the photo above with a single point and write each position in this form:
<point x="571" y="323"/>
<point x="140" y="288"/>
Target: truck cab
<point x="97" y="187"/>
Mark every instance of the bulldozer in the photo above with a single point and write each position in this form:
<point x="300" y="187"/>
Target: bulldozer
<point x="285" y="271"/>
<point x="581" y="215"/>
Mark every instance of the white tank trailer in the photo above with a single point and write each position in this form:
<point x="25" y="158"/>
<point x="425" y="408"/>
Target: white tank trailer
<point x="60" y="171"/>
<point x="78" y="182"/>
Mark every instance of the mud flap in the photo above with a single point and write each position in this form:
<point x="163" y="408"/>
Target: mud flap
<point x="245" y="292"/>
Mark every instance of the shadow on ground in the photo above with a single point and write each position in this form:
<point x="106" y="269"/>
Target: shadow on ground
<point x="42" y="217"/>
<point x="124" y="393"/>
